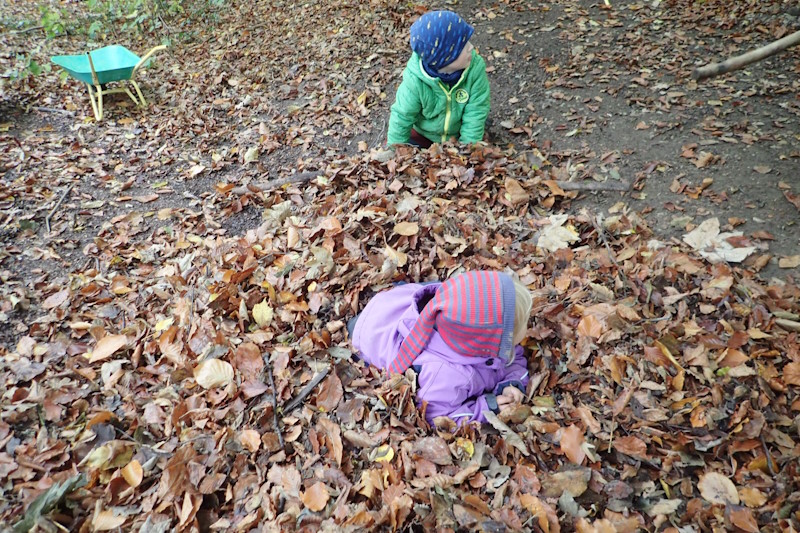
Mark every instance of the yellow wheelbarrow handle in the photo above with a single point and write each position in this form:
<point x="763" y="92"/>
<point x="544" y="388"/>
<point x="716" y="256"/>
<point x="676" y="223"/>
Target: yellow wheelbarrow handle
<point x="143" y="60"/>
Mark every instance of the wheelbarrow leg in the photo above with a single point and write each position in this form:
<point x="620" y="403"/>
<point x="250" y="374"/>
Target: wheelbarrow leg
<point x="139" y="92"/>
<point x="98" y="109"/>
<point x="132" y="97"/>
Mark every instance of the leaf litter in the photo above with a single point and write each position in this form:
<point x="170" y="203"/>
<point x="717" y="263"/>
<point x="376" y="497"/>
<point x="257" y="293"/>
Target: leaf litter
<point x="197" y="378"/>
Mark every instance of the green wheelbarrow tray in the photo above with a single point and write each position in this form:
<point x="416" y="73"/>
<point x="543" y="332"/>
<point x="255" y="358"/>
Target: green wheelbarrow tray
<point x="106" y="65"/>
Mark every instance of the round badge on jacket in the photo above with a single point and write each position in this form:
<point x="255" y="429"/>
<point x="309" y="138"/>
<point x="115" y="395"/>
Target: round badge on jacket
<point x="462" y="96"/>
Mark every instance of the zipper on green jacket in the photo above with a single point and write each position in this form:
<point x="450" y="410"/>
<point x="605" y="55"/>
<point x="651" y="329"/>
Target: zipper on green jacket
<point x="447" y="112"/>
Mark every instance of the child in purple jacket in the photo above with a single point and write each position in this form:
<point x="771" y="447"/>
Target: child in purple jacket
<point x="461" y="337"/>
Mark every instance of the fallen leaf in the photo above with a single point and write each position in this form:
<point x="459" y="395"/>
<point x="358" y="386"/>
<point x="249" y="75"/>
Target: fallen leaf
<point x="250" y="439"/>
<point x="213" y="373"/>
<point x="743" y="518"/>
<point x="316" y="497"/>
<point x="107" y="520"/>
<point x="631" y="445"/>
<point x="573" y="481"/>
<point x="55" y="300"/>
<point x="133" y="473"/>
<point x="263" y="313"/>
<point x="382" y="454"/>
<point x="406" y="228"/>
<point x="752" y="497"/>
<point x="556" y="236"/>
<point x="571" y="442"/>
<point x="761" y="169"/>
<point x="716" y="488"/>
<point x="789" y="262"/>
<point x="106" y="347"/>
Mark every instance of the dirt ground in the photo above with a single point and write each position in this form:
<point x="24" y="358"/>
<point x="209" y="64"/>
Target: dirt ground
<point x="611" y="89"/>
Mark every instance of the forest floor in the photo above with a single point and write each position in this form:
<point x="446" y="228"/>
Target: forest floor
<point x="151" y="292"/>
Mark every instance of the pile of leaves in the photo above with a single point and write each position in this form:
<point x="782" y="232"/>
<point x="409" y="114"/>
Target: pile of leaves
<point x="155" y="389"/>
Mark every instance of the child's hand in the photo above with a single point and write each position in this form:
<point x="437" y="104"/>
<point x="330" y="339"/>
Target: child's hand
<point x="511" y="396"/>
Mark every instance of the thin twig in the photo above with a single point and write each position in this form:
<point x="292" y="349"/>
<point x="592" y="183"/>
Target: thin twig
<point x="300" y="177"/>
<point x="50" y="214"/>
<point x="770" y="464"/>
<point x="26" y="30"/>
<point x="607" y="185"/>
<point x="53" y="110"/>
<point x="306" y="390"/>
<point x="275" y="405"/>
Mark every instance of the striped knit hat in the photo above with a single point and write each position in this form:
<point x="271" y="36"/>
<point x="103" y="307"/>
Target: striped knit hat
<point x="473" y="313"/>
<point x="438" y="38"/>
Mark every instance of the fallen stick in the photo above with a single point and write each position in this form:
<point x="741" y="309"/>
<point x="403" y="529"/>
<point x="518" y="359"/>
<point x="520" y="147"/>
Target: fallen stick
<point x="737" y="62"/>
<point x="297" y="400"/>
<point x="593" y="185"/>
<point x="53" y="110"/>
<point x="58" y="203"/>
<point x="300" y="177"/>
<point x="275" y="405"/>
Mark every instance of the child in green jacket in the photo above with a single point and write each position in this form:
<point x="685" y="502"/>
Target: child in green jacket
<point x="445" y="90"/>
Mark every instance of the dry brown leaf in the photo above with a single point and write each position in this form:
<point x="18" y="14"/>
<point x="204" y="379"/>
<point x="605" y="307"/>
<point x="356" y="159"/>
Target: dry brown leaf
<point x="791" y="374"/>
<point x="316" y="497"/>
<point x="406" y="228"/>
<point x="515" y="193"/>
<point x="107" y="520"/>
<point x="330" y="393"/>
<point x="106" y="347"/>
<point x="247" y="359"/>
<point x="743" y="518"/>
<point x="545" y="515"/>
<point x="752" y="497"/>
<point x="250" y="439"/>
<point x="55" y="300"/>
<point x="716" y="488"/>
<point x="133" y="473"/>
<point x="434" y="449"/>
<point x="631" y="445"/>
<point x="789" y="261"/>
<point x="571" y="444"/>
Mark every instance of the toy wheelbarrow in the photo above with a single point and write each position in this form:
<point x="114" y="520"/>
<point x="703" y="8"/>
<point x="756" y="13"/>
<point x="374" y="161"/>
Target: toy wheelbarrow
<point x="102" y="66"/>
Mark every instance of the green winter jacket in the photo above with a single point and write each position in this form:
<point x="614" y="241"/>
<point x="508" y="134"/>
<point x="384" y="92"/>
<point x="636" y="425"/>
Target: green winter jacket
<point x="438" y="113"/>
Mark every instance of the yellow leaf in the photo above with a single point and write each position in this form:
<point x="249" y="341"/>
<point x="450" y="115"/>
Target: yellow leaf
<point x="213" y="373"/>
<point x="716" y="488"/>
<point x="262" y="312"/>
<point x="133" y="473"/>
<point x="383" y="454"/>
<point x="106" y="347"/>
<point x="362" y="98"/>
<point x="406" y="228"/>
<point x="163" y="325"/>
<point x="466" y="445"/>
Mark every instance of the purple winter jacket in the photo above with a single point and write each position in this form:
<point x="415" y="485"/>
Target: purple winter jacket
<point x="459" y="387"/>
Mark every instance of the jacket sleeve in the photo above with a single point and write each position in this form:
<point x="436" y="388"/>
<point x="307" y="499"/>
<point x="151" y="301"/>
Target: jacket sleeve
<point x="473" y="121"/>
<point x="515" y="374"/>
<point x="439" y="386"/>
<point x="406" y="109"/>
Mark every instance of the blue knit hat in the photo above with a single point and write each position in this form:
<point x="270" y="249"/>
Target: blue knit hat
<point x="474" y="315"/>
<point x="438" y="37"/>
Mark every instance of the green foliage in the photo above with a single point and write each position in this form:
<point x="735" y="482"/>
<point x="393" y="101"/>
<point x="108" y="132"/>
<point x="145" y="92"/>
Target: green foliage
<point x="127" y="16"/>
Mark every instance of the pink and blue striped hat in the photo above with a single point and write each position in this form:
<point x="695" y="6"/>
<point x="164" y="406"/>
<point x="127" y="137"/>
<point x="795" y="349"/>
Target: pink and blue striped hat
<point x="473" y="313"/>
